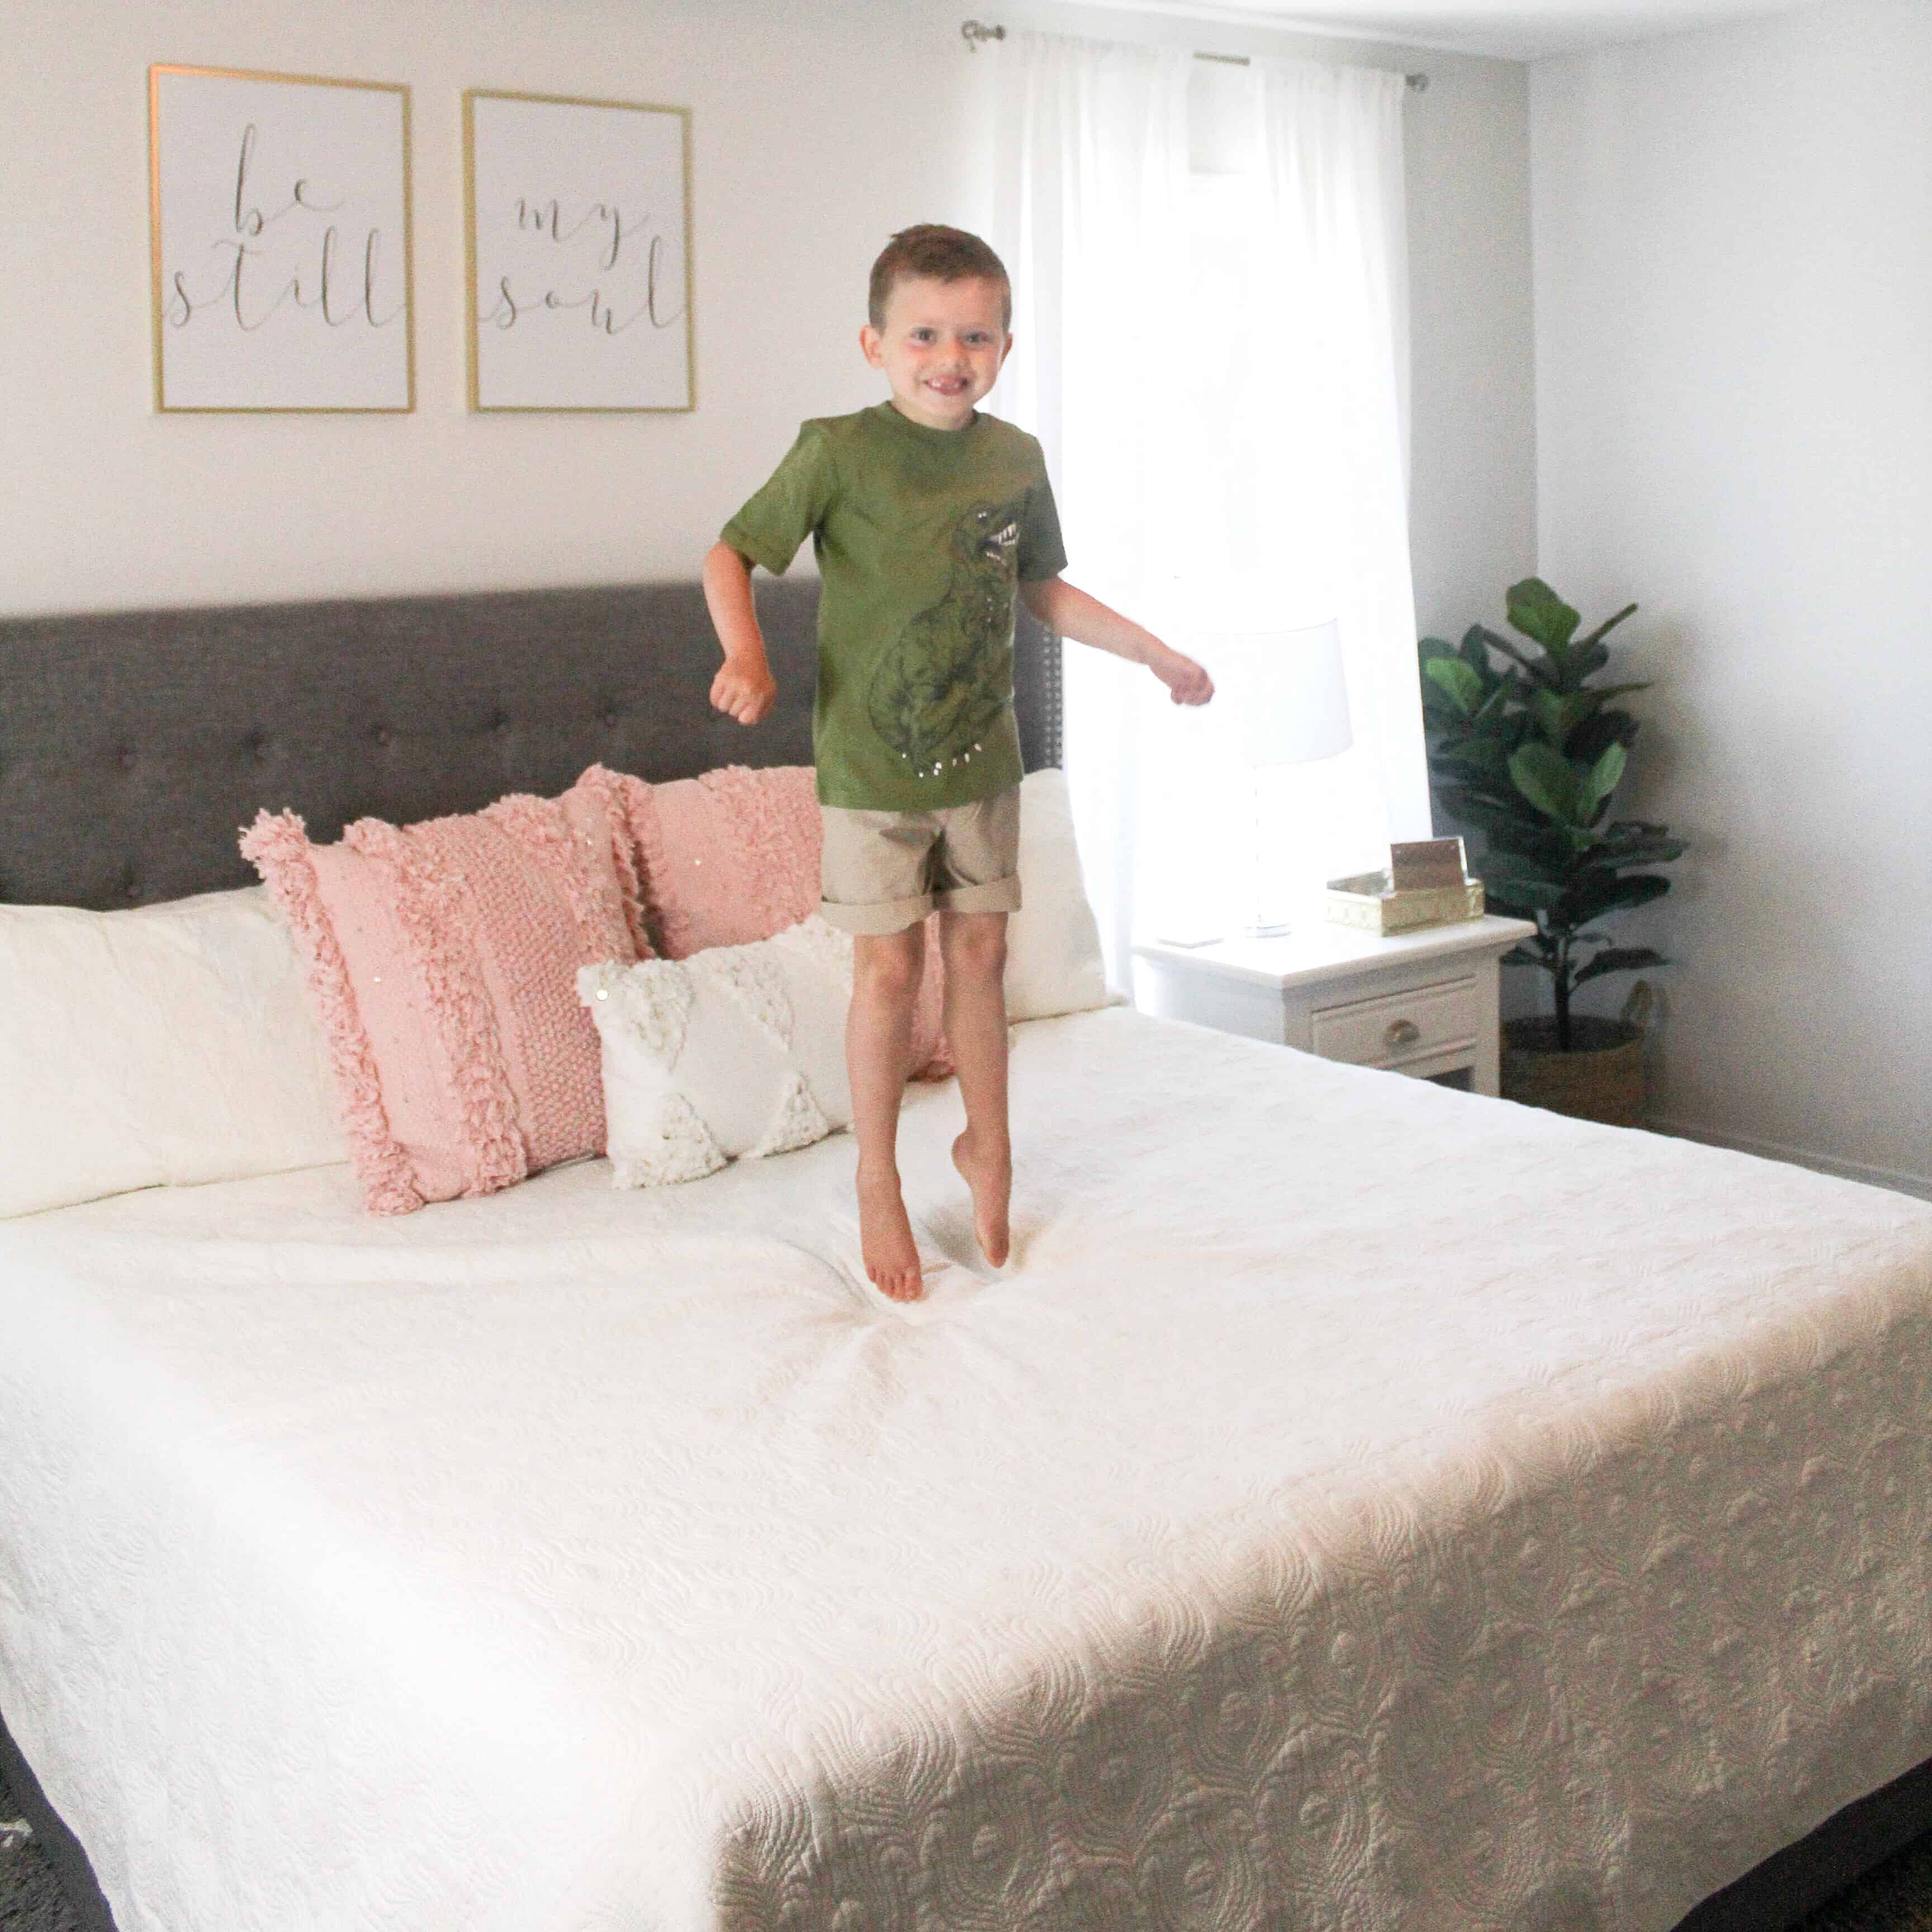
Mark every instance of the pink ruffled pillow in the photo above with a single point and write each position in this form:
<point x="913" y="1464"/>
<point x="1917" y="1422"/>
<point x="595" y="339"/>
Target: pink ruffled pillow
<point x="441" y="960"/>
<point x="732" y="857"/>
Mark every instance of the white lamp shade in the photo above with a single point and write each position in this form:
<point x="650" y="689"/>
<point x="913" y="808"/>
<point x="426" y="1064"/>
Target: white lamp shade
<point x="1292" y="695"/>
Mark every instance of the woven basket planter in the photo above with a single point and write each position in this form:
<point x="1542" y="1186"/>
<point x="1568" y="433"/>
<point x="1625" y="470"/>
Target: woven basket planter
<point x="1600" y="1078"/>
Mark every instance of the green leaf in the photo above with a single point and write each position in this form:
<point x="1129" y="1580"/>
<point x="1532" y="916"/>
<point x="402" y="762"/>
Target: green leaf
<point x="1620" y="959"/>
<point x="1604" y="630"/>
<point x="1548" y="780"/>
<point x="1558" y="714"/>
<point x="1598" y="892"/>
<point x="1465" y="686"/>
<point x="1492" y="716"/>
<point x="1537" y="612"/>
<point x="1641" y="851"/>
<point x="1588" y="742"/>
<point x="1538" y="671"/>
<point x="1605" y="776"/>
<point x="1585" y="661"/>
<point x="1514" y="878"/>
<point x="1478" y="754"/>
<point x="1534" y="837"/>
<point x="1499" y="867"/>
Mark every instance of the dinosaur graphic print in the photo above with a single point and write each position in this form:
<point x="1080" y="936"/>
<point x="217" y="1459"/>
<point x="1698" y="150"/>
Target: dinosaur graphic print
<point x="946" y="681"/>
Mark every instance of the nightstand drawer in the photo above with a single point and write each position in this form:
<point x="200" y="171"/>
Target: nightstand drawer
<point x="1398" y="1027"/>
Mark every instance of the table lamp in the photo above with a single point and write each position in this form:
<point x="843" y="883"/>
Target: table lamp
<point x="1294" y="697"/>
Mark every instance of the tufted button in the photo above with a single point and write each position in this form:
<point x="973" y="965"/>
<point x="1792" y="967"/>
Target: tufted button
<point x="608" y="715"/>
<point x="260" y="743"/>
<point x="383" y="735"/>
<point x="124" y="757"/>
<point x="132" y="889"/>
<point x="501" y="722"/>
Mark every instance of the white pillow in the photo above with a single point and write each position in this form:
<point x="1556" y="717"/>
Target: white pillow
<point x="1053" y="942"/>
<point x="737" y="1052"/>
<point x="166" y="1045"/>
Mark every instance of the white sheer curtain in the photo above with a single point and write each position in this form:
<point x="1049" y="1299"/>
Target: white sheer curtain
<point x="1211" y="320"/>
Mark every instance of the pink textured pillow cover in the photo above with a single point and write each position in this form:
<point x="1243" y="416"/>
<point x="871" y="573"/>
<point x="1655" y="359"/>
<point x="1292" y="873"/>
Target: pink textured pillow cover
<point x="441" y="960"/>
<point x="732" y="857"/>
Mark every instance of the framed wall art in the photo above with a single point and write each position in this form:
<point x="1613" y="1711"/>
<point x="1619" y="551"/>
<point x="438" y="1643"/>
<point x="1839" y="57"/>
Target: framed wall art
<point x="577" y="217"/>
<point x="279" y="225"/>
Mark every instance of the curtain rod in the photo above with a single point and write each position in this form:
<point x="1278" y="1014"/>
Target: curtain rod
<point x="974" y="31"/>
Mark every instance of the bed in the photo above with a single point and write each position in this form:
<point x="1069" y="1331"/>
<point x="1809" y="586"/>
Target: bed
<point x="1361" y="1504"/>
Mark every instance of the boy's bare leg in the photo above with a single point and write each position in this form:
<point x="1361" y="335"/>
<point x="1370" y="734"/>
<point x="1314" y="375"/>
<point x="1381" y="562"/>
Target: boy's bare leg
<point x="878" y="1042"/>
<point x="974" y="945"/>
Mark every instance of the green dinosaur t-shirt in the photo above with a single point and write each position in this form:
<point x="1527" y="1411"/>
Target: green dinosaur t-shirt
<point x="921" y="535"/>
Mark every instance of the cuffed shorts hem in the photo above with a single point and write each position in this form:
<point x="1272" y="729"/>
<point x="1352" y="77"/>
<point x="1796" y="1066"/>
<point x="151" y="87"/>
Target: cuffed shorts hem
<point x="995" y="895"/>
<point x="896" y="915"/>
<point x="876" y="921"/>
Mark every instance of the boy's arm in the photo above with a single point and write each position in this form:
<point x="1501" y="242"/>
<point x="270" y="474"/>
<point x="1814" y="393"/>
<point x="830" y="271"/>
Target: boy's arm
<point x="1070" y="613"/>
<point x="744" y="688"/>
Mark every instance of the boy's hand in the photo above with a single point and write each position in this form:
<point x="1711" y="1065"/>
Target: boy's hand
<point x="1187" y="683"/>
<point x="744" y="691"/>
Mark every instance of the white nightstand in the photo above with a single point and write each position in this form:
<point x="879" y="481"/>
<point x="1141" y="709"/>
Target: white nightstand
<point x="1420" y="1002"/>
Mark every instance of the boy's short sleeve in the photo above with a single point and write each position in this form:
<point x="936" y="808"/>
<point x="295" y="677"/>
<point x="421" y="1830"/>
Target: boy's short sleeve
<point x="788" y="507"/>
<point x="1042" y="553"/>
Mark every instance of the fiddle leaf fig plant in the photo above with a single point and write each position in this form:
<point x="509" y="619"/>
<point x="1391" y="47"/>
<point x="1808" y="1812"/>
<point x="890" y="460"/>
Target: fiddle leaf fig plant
<point x="1526" y="749"/>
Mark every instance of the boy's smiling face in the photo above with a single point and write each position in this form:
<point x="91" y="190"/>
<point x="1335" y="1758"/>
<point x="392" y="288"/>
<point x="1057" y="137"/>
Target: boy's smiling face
<point x="941" y="346"/>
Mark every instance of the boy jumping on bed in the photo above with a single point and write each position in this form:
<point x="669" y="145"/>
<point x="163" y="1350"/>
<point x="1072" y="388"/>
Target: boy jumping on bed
<point x="925" y="515"/>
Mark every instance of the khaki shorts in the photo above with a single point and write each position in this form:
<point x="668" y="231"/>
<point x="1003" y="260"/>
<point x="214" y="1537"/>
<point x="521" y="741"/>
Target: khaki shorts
<point x="885" y="870"/>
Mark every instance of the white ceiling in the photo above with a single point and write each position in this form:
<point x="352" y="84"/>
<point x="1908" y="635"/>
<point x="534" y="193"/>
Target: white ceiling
<point x="1508" y="29"/>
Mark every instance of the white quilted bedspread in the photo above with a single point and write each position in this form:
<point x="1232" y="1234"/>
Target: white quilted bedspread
<point x="1361" y="1506"/>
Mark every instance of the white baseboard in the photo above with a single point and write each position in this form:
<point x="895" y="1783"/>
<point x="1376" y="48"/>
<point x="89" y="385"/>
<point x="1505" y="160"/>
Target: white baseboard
<point x="1900" y="1183"/>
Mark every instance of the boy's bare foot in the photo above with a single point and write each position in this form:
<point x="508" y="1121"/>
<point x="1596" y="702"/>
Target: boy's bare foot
<point x="885" y="1237"/>
<point x="991" y="1178"/>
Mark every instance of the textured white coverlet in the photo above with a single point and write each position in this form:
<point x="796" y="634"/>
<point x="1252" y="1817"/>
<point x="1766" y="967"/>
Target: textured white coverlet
<point x="1361" y="1506"/>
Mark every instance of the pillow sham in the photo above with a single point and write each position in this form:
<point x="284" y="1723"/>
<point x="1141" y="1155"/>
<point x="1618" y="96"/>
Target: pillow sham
<point x="725" y="859"/>
<point x="1054" y="964"/>
<point x="440" y="960"/>
<point x="164" y="1045"/>
<point x="735" y="1053"/>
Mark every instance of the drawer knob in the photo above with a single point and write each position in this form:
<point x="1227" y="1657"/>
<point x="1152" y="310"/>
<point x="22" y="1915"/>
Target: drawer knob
<point x="1402" y="1033"/>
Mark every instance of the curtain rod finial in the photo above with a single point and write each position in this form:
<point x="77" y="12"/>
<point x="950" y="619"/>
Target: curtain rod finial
<point x="974" y="31"/>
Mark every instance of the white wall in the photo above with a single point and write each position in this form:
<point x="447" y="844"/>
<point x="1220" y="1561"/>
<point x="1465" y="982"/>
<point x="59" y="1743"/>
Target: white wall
<point x="1733" y="239"/>
<point x="818" y="130"/>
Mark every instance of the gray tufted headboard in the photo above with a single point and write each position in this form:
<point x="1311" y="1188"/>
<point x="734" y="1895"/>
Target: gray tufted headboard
<point x="134" y="744"/>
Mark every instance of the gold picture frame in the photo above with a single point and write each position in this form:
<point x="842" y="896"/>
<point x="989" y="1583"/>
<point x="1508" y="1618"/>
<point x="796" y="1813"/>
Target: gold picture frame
<point x="589" y="293"/>
<point x="270" y="320"/>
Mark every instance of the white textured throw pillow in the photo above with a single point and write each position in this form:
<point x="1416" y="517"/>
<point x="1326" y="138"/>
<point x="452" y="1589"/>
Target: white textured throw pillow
<point x="1053" y="942"/>
<point x="733" y="1054"/>
<point x="167" y="1044"/>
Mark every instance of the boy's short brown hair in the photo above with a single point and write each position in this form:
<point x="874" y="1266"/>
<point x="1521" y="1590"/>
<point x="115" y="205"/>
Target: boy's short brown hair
<point x="933" y="252"/>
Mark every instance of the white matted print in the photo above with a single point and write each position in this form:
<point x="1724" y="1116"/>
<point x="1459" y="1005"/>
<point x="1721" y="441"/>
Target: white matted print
<point x="578" y="216"/>
<point x="279" y="209"/>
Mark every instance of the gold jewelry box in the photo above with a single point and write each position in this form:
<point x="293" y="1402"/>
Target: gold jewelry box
<point x="1369" y="903"/>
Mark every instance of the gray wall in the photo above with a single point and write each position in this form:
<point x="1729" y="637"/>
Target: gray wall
<point x="1733" y="236"/>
